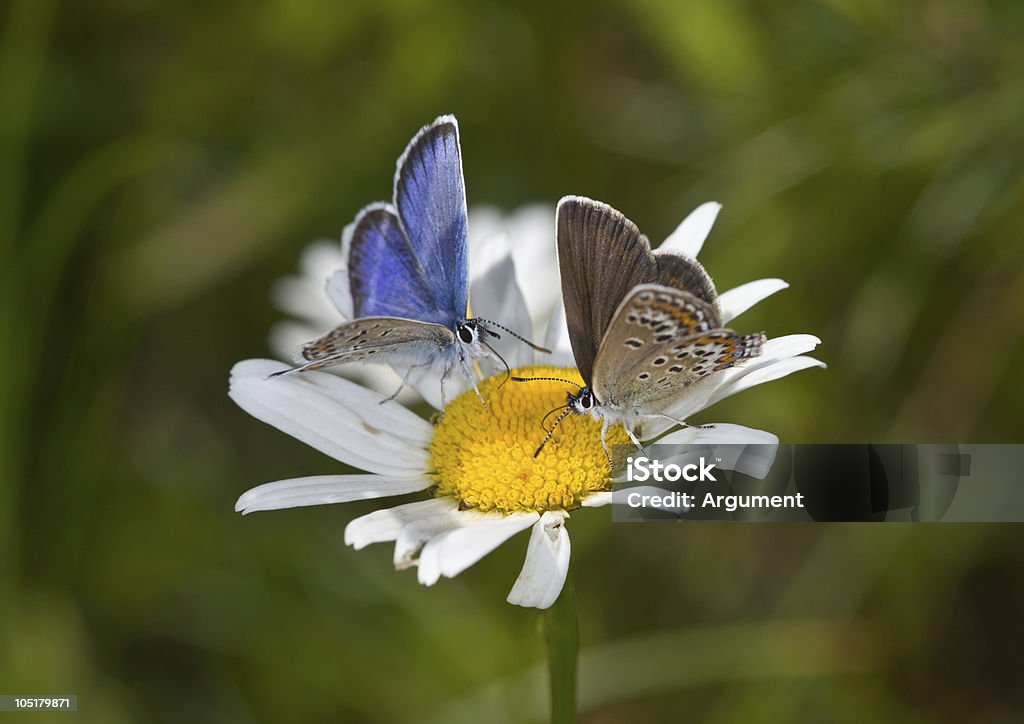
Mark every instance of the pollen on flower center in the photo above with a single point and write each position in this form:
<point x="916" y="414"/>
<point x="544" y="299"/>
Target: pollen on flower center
<point x="484" y="457"/>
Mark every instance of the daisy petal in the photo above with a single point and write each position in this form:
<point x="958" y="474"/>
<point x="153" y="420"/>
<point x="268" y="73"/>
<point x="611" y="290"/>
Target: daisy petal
<point x="597" y="500"/>
<point x="301" y="295"/>
<point x="546" y="564"/>
<point x="495" y="295"/>
<point x="689" y="236"/>
<point x="286" y="337"/>
<point x="410" y="542"/>
<point x="335" y="416"/>
<point x="450" y="553"/>
<point x="743" y="449"/>
<point x="766" y="373"/>
<point x="529" y="233"/>
<point x="719" y="433"/>
<point x="326" y="489"/>
<point x="788" y="345"/>
<point x="736" y="301"/>
<point x="338" y="291"/>
<point x="383" y="525"/>
<point x="557" y="340"/>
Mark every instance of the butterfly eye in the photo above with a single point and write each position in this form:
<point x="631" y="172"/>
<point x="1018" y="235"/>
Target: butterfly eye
<point x="467" y="334"/>
<point x="586" y="400"/>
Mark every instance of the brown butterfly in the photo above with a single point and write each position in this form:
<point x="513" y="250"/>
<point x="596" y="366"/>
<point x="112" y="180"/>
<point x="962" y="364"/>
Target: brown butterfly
<point x="644" y="325"/>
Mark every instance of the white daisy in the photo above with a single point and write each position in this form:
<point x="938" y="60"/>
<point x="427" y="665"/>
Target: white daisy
<point x="526" y="234"/>
<point x="478" y="463"/>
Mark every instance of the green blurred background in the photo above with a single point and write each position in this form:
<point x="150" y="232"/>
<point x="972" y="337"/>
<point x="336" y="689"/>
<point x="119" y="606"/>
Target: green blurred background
<point x="163" y="162"/>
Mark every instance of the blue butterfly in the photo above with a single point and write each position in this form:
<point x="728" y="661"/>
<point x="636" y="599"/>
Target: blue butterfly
<point x="407" y="272"/>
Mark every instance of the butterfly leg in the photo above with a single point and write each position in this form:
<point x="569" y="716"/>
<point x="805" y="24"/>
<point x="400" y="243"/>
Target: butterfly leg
<point x="684" y="423"/>
<point x="604" y="444"/>
<point x="405" y="381"/>
<point x="470" y="376"/>
<point x="444" y="399"/>
<point x="636" y="442"/>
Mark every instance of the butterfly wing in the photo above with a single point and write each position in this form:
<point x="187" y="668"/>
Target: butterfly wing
<point x="386" y="277"/>
<point x="661" y="341"/>
<point x="684" y="272"/>
<point x="376" y="339"/>
<point x="430" y="197"/>
<point x="409" y="259"/>
<point x="601" y="256"/>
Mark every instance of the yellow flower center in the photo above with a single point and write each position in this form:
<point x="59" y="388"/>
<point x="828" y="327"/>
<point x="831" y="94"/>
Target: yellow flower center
<point x="484" y="457"/>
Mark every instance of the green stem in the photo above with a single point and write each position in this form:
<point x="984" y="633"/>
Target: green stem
<point x="561" y="628"/>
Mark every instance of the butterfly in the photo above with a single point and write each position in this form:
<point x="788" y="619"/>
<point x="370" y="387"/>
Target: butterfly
<point x="644" y="325"/>
<point x="407" y="269"/>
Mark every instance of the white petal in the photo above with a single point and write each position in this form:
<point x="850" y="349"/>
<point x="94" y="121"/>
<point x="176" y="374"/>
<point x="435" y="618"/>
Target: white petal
<point x="788" y="345"/>
<point x="766" y="373"/>
<point x="736" y="301"/>
<point x="689" y="236"/>
<point x="336" y="289"/>
<point x="416" y="533"/>
<point x="495" y="295"/>
<point x="530" y="234"/>
<point x="557" y="340"/>
<point x="302" y="295"/>
<point x="743" y="449"/>
<point x="597" y="500"/>
<point x="720" y="433"/>
<point x="453" y="551"/>
<point x="546" y="564"/>
<point x="486" y="251"/>
<point x="335" y="416"/>
<point x="485" y="222"/>
<point x="320" y="259"/>
<point x="326" y="489"/>
<point x="298" y="297"/>
<point x="387" y="524"/>
<point x="286" y="337"/>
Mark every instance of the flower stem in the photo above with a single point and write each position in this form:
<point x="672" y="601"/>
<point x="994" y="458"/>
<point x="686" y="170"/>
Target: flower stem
<point x="561" y="628"/>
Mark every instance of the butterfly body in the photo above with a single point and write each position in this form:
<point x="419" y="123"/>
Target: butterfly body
<point x="644" y="326"/>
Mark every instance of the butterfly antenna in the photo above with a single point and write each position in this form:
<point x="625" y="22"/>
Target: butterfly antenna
<point x="547" y="379"/>
<point x="508" y="370"/>
<point x="551" y="432"/>
<point x="521" y="338"/>
<point x="543" y="421"/>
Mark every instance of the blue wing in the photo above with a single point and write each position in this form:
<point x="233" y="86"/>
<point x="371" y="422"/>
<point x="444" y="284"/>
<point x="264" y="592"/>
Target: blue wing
<point x="386" y="277"/>
<point x="430" y="196"/>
